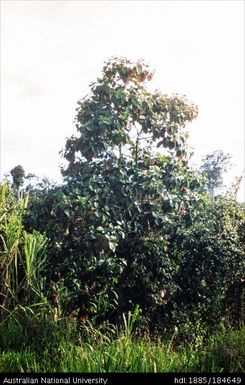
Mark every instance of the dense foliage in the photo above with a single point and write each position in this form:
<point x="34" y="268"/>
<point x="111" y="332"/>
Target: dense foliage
<point x="131" y="226"/>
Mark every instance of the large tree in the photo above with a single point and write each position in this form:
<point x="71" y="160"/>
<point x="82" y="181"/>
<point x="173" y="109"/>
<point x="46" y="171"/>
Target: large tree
<point x="112" y="223"/>
<point x="131" y="226"/>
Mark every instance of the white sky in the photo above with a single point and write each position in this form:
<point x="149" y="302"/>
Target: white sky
<point x="52" y="50"/>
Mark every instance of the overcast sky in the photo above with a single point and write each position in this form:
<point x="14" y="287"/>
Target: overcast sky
<point x="52" y="50"/>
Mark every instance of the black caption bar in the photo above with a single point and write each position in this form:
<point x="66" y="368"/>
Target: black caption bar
<point x="122" y="378"/>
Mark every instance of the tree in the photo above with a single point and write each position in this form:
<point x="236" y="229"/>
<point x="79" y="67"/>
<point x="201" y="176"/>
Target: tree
<point x="130" y="226"/>
<point x="111" y="225"/>
<point x="213" y="167"/>
<point x="18" y="174"/>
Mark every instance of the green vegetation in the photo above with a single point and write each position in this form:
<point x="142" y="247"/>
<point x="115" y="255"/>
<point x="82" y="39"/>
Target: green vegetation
<point x="57" y="348"/>
<point x="128" y="265"/>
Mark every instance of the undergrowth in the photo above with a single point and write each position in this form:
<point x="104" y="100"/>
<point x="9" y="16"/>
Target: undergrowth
<point x="46" y="346"/>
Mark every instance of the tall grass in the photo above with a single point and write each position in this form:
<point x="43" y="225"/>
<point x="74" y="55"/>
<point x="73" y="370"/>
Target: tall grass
<point x="22" y="257"/>
<point x="45" y="346"/>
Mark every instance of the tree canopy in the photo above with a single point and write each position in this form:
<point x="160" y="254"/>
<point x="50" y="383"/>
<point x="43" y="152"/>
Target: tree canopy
<point x="121" y="118"/>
